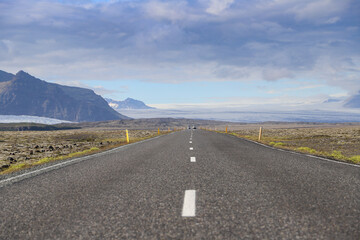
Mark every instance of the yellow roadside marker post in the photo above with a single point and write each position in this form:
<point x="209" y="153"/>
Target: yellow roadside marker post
<point x="226" y="129"/>
<point x="168" y="129"/>
<point x="260" y="133"/>
<point x="127" y="136"/>
<point x="158" y="131"/>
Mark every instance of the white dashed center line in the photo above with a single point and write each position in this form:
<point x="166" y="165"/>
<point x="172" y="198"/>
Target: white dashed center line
<point x="189" y="204"/>
<point x="191" y="148"/>
<point x="192" y="159"/>
<point x="190" y="142"/>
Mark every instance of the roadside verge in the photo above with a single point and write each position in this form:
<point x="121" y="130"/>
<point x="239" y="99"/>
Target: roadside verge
<point x="34" y="170"/>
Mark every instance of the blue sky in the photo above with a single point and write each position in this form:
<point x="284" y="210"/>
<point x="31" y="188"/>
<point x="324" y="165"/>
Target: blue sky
<point x="199" y="52"/>
<point x="212" y="92"/>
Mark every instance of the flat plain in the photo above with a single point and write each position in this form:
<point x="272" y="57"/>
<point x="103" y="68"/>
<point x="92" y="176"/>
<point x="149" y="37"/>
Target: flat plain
<point x="22" y="149"/>
<point x="334" y="141"/>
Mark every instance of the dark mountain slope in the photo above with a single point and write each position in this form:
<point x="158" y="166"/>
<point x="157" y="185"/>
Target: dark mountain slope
<point x="27" y="95"/>
<point x="4" y="76"/>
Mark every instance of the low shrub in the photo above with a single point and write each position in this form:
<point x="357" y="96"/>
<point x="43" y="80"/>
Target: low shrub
<point x="307" y="149"/>
<point x="277" y="144"/>
<point x="337" y="155"/>
<point x="355" y="159"/>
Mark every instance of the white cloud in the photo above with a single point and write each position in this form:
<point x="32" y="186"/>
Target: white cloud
<point x="293" y="89"/>
<point x="318" y="9"/>
<point x="339" y="95"/>
<point x="177" y="41"/>
<point x="166" y="10"/>
<point x="284" y="102"/>
<point x="332" y="20"/>
<point x="216" y="7"/>
<point x="273" y="74"/>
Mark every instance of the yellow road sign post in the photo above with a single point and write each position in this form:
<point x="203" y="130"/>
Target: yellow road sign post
<point x="127" y="136"/>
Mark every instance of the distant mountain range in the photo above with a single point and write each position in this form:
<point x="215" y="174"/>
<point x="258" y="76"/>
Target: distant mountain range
<point x="23" y="94"/>
<point x="128" y="103"/>
<point x="353" y="102"/>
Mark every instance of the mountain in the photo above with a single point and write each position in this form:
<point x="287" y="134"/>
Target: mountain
<point x="24" y="94"/>
<point x="4" y="76"/>
<point x="128" y="103"/>
<point x="353" y="102"/>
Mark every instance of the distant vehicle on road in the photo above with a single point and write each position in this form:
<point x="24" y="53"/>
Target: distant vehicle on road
<point x="193" y="127"/>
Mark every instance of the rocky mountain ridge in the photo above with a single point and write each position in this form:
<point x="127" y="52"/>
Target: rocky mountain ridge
<point x="23" y="94"/>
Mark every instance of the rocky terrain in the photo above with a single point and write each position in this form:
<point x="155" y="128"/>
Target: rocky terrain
<point x="31" y="146"/>
<point x="26" y="148"/>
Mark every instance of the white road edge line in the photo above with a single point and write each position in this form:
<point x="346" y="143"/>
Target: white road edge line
<point x="189" y="206"/>
<point x="192" y="159"/>
<point x="191" y="148"/>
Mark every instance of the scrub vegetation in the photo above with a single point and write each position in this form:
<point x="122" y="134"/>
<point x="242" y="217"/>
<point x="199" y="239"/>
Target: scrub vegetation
<point x="24" y="149"/>
<point x="334" y="142"/>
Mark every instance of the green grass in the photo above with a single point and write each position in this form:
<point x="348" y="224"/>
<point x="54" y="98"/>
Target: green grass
<point x="337" y="155"/>
<point x="307" y="149"/>
<point x="20" y="166"/>
<point x="355" y="159"/>
<point x="277" y="144"/>
<point x="14" y="168"/>
<point x="70" y="155"/>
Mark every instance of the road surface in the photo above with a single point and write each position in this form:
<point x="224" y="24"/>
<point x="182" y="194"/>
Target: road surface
<point x="192" y="184"/>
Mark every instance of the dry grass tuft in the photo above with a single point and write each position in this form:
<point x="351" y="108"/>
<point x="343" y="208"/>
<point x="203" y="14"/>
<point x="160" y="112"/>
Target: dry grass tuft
<point x="337" y="142"/>
<point x="24" y="149"/>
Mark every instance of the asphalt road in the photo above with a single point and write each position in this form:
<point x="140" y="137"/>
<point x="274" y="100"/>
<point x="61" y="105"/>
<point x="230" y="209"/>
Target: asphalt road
<point x="225" y="188"/>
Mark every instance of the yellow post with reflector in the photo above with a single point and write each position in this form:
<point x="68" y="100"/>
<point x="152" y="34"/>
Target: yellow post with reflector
<point x="226" y="129"/>
<point x="127" y="136"/>
<point x="158" y="131"/>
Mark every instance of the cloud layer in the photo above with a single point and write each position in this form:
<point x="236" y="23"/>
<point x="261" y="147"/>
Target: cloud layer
<point x="176" y="41"/>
